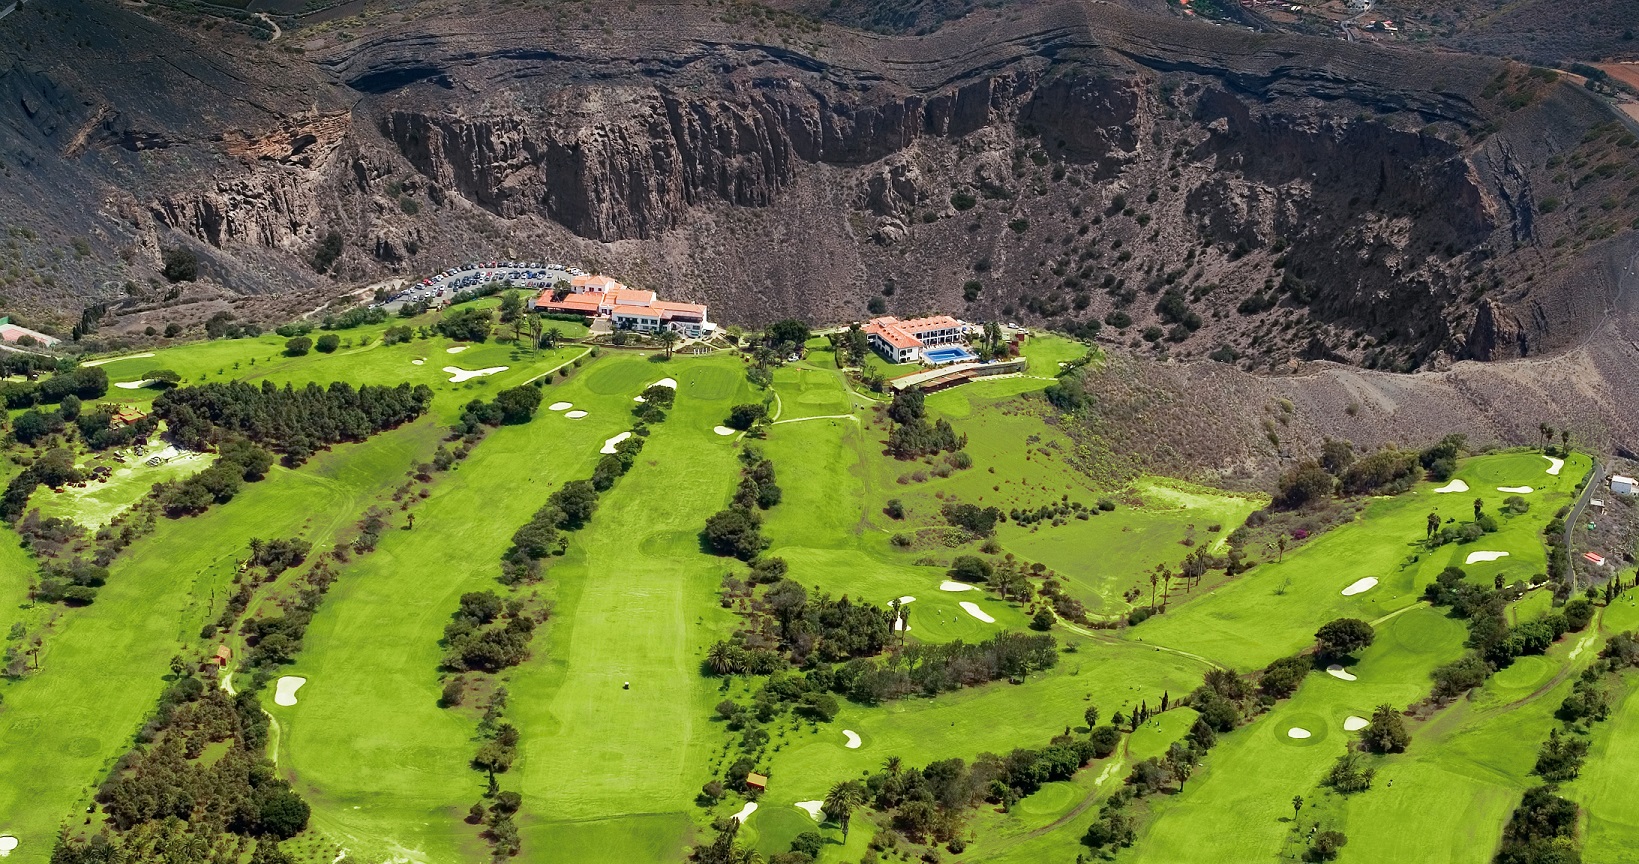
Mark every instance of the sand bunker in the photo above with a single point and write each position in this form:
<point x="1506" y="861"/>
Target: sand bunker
<point x="1360" y="586"/>
<point x="609" y="446"/>
<point x="133" y="385"/>
<point x="456" y="350"/>
<point x="1554" y="464"/>
<point x="560" y="406"/>
<point x="1297" y="732"/>
<point x="7" y="844"/>
<point x="899" y="625"/>
<point x="1339" y="673"/>
<point x="664" y="382"/>
<point x="1355" y="724"/>
<point x="116" y="360"/>
<point x="575" y="415"/>
<point x="906" y="599"/>
<point x="1517" y="490"/>
<point x="417" y="361"/>
<point x="948" y="585"/>
<point x="1474" y="557"/>
<point x="1453" y="486"/>
<point x="745" y="812"/>
<point x="812" y="808"/>
<point x="974" y="610"/>
<point x="284" y="692"/>
<point x="723" y="430"/>
<point x="457" y="374"/>
<point x="853" y="739"/>
<point x="639" y="399"/>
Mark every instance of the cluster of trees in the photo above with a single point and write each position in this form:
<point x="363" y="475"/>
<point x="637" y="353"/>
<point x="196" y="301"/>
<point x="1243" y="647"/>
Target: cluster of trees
<point x="162" y="788"/>
<point x="487" y="634"/>
<point x="1388" y="471"/>
<point x="975" y="520"/>
<point x="358" y="316"/>
<point x="82" y="382"/>
<point x="511" y="407"/>
<point x="737" y="529"/>
<point x="274" y="640"/>
<point x="239" y="462"/>
<point x="467" y="324"/>
<point x="496" y="752"/>
<point x="930" y="669"/>
<point x="54" y="468"/>
<point x="293" y="422"/>
<point x="99" y="432"/>
<point x="1466" y="532"/>
<point x="746" y="415"/>
<point x="912" y="435"/>
<point x="1057" y="511"/>
<point x="1492" y="641"/>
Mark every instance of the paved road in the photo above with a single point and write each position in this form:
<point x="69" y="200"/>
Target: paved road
<point x="1596" y="480"/>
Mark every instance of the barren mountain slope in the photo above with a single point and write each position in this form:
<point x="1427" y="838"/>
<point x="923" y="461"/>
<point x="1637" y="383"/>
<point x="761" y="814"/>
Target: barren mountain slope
<point x="1271" y="197"/>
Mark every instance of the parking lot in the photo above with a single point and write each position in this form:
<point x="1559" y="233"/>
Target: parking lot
<point x="438" y="288"/>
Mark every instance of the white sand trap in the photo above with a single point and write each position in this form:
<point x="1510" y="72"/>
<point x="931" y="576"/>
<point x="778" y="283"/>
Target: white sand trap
<point x="974" y="610"/>
<point x="575" y="415"/>
<point x="639" y="399"/>
<point x="113" y="360"/>
<point x="609" y="446"/>
<point x="664" y="382"/>
<point x="1360" y="586"/>
<point x="723" y="430"/>
<point x="1453" y="486"/>
<point x="906" y="599"/>
<point x="1554" y="464"/>
<point x="1340" y="673"/>
<point x="456" y="350"/>
<point x="560" y="406"/>
<point x="1517" y="490"/>
<point x="899" y="625"/>
<point x="7" y="844"/>
<point x="284" y="692"/>
<point x="948" y="585"/>
<point x="457" y="374"/>
<point x="133" y="385"/>
<point x="812" y="808"/>
<point x="1352" y="723"/>
<point x="417" y="361"/>
<point x="1297" y="732"/>
<point x="745" y="812"/>
<point x="853" y="739"/>
<point x="1474" y="557"/>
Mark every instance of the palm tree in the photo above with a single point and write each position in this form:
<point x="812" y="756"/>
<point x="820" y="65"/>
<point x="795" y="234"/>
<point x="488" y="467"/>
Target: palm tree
<point x="1547" y="433"/>
<point x="1433" y="523"/>
<point x="1155" y="579"/>
<point x="553" y="334"/>
<point x="535" y="331"/>
<point x="840" y="802"/>
<point x="721" y="658"/>
<point x="893" y="765"/>
<point x="668" y="338"/>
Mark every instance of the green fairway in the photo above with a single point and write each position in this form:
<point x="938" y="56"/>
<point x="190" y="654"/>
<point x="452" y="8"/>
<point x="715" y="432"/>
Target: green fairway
<point x="101" y="669"/>
<point x="1274" y="609"/>
<point x="604" y="767"/>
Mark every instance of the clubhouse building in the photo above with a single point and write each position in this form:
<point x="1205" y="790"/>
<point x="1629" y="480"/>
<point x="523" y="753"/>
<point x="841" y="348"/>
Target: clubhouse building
<point x="634" y="309"/>
<point x="916" y="339"/>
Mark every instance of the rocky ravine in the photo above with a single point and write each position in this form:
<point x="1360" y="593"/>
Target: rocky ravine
<point x="1267" y="198"/>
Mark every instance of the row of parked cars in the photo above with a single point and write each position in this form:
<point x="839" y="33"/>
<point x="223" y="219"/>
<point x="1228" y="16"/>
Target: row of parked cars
<point x="438" y="287"/>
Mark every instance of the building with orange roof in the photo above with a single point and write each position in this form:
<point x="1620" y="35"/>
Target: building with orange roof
<point x="633" y="309"/>
<point x="904" y="341"/>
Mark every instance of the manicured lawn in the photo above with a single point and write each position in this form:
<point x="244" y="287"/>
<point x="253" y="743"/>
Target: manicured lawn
<point x="101" y="669"/>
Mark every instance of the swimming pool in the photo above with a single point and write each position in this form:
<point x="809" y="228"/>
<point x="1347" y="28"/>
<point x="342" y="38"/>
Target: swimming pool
<point x="948" y="354"/>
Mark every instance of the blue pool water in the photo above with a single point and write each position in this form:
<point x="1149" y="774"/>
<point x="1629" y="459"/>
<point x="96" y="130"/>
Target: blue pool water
<point x="948" y="354"/>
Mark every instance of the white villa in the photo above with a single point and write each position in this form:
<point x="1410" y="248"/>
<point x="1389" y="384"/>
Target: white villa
<point x="903" y="341"/>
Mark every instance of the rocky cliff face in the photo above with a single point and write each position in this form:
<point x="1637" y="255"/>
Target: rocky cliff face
<point x="1187" y="189"/>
